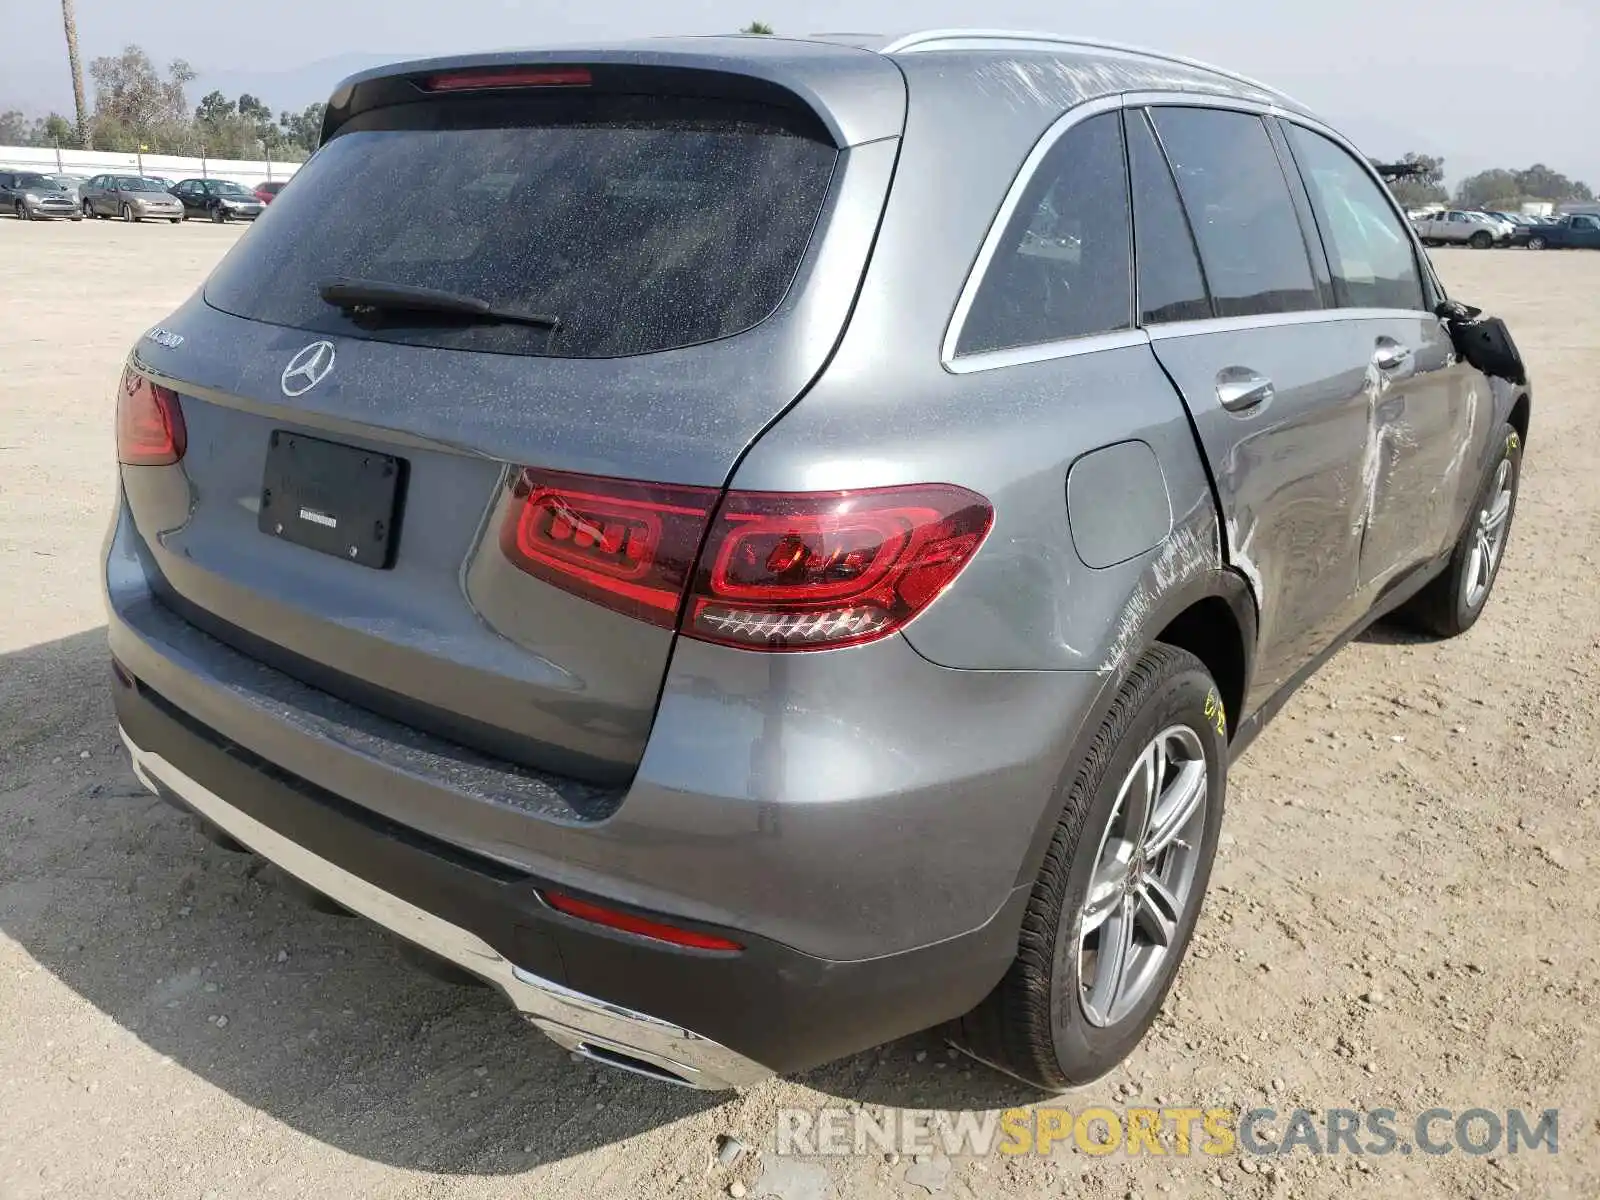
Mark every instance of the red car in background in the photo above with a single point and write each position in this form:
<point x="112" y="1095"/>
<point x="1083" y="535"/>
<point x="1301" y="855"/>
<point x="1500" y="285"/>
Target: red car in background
<point x="265" y="192"/>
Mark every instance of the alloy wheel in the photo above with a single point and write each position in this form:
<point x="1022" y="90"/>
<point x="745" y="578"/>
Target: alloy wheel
<point x="1144" y="876"/>
<point x="1489" y="537"/>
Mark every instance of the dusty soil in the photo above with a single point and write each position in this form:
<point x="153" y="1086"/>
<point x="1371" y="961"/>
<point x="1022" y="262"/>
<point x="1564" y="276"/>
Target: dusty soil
<point x="1418" y="828"/>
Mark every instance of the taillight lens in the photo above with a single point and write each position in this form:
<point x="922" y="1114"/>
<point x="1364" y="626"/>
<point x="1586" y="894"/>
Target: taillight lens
<point x="150" y="430"/>
<point x="778" y="570"/>
<point x="628" y="546"/>
<point x="626" y="922"/>
<point x="819" y="570"/>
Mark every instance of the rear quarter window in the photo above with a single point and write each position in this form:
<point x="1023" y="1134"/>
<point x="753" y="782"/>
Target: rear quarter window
<point x="643" y="223"/>
<point x="1063" y="267"/>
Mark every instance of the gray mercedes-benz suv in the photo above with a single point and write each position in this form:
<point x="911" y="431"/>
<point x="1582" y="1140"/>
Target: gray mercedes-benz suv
<point x="756" y="547"/>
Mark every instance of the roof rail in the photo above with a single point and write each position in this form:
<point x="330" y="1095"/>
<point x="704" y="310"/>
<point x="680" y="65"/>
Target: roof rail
<point x="951" y="39"/>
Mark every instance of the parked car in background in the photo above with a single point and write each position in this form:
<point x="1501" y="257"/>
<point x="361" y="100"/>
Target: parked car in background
<point x="220" y="199"/>
<point x="671" y="555"/>
<point x="131" y="197"/>
<point x="1459" y="227"/>
<point x="73" y="183"/>
<point x="267" y="192"/>
<point x="1575" y="231"/>
<point x="30" y="196"/>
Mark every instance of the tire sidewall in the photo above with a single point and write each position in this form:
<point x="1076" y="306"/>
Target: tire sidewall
<point x="1179" y="699"/>
<point x="1510" y="449"/>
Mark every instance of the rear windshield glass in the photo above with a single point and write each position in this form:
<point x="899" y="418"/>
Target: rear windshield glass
<point x="641" y="223"/>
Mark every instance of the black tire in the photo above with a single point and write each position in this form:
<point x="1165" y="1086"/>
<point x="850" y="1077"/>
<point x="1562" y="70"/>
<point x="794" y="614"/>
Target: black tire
<point x="129" y="215"/>
<point x="219" y="215"/>
<point x="1536" y="242"/>
<point x="88" y="209"/>
<point x="1481" y="240"/>
<point x="1033" y="1025"/>
<point x="1448" y="606"/>
<point x="22" y="212"/>
<point x="176" y="220"/>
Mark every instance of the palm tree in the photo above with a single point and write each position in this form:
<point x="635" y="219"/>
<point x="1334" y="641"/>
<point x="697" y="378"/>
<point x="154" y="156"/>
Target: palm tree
<point x="70" y="20"/>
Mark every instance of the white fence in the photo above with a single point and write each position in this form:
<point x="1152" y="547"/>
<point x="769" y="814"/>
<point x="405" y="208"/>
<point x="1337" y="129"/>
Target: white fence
<point x="93" y="162"/>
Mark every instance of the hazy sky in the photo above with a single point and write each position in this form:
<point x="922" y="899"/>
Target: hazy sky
<point x="1483" y="82"/>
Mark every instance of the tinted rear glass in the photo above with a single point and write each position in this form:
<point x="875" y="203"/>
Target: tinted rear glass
<point x="643" y="223"/>
<point x="1240" y="209"/>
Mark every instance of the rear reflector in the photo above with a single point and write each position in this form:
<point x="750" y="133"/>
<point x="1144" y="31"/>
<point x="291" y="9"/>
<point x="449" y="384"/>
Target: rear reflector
<point x="507" y="77"/>
<point x="611" y="918"/>
<point x="777" y="571"/>
<point x="150" y="429"/>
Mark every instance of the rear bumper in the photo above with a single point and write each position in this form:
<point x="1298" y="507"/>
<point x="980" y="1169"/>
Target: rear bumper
<point x="581" y="1023"/>
<point x="702" y="1019"/>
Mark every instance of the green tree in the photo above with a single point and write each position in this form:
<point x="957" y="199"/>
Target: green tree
<point x="1489" y="188"/>
<point x="1541" y="182"/>
<point x="135" y="106"/>
<point x="760" y="27"/>
<point x="54" y="130"/>
<point x="1426" y="187"/>
<point x="303" y="130"/>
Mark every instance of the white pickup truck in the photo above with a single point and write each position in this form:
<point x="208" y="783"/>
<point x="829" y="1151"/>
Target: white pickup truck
<point x="1461" y="228"/>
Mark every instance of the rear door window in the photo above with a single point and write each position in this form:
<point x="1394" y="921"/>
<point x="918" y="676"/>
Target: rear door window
<point x="1062" y="269"/>
<point x="1369" y="251"/>
<point x="1238" y="202"/>
<point x="644" y="223"/>
<point x="1171" y="287"/>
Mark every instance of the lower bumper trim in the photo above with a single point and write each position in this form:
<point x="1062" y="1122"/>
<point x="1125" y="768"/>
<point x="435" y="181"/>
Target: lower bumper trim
<point x="605" y="1032"/>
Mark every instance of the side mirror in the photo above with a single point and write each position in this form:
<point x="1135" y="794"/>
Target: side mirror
<point x="1484" y="342"/>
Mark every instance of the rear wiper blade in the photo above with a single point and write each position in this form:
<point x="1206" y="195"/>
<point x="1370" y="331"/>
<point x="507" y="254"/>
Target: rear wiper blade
<point x="401" y="297"/>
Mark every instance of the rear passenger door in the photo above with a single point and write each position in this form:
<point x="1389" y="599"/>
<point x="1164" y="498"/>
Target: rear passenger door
<point x="1429" y="412"/>
<point x="1274" y="381"/>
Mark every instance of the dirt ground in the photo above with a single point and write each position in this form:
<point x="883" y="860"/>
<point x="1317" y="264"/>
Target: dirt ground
<point x="1404" y="913"/>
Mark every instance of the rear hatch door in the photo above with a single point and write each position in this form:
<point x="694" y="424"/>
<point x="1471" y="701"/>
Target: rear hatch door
<point x="696" y="228"/>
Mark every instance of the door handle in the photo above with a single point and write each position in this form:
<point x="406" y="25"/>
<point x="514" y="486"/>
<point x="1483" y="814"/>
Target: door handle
<point x="1240" y="389"/>
<point x="1390" y="355"/>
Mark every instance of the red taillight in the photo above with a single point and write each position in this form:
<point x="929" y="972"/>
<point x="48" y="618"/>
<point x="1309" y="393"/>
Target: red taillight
<point x="507" y="77"/>
<point x="778" y="570"/>
<point x="613" y="918"/>
<point x="628" y="546"/>
<point x="150" y="431"/>
<point x="818" y="570"/>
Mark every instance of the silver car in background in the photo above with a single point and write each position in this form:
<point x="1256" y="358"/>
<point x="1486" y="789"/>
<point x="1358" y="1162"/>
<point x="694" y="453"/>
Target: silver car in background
<point x="1461" y="227"/>
<point x="30" y="196"/>
<point x="131" y="197"/>
<point x="627" y="523"/>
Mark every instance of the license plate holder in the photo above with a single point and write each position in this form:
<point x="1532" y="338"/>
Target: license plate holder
<point x="336" y="499"/>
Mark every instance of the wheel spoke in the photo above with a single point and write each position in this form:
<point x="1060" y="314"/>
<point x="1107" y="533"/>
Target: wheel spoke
<point x="1494" y="517"/>
<point x="1105" y="893"/>
<point x="1156" y="912"/>
<point x="1112" y="958"/>
<point x="1141" y="790"/>
<point x="1176" y="807"/>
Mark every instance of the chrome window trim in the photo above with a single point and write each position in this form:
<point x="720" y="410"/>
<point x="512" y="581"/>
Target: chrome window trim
<point x="1316" y="316"/>
<point x="1016" y="356"/>
<point x="991" y="243"/>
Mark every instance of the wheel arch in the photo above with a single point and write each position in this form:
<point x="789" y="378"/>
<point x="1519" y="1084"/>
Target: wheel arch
<point x="1213" y="616"/>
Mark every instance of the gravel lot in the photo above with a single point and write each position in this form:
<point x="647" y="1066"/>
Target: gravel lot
<point x="1404" y="913"/>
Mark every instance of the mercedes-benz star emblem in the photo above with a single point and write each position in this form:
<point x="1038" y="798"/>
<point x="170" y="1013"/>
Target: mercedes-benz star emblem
<point x="308" y="368"/>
